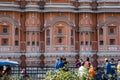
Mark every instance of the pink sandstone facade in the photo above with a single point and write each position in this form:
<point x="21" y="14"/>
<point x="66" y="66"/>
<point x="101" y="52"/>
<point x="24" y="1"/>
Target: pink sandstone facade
<point x="37" y="32"/>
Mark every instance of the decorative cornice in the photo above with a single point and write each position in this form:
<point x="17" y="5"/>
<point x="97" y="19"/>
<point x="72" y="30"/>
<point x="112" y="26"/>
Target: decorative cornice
<point x="9" y="19"/>
<point x="76" y="4"/>
<point x="59" y="18"/>
<point x="108" y="20"/>
<point x="22" y="4"/>
<point x="85" y="30"/>
<point x="94" y="5"/>
<point x="41" y="4"/>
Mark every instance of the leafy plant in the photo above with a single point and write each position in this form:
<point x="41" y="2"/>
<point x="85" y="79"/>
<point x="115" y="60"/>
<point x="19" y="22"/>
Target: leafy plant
<point x="65" y="75"/>
<point x="11" y="77"/>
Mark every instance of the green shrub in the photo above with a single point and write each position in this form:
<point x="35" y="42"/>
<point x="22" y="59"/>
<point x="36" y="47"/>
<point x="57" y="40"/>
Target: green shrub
<point x="64" y="75"/>
<point x="11" y="77"/>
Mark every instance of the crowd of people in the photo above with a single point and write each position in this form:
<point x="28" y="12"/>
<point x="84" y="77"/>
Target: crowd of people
<point x="61" y="63"/>
<point x="5" y="71"/>
<point x="110" y="70"/>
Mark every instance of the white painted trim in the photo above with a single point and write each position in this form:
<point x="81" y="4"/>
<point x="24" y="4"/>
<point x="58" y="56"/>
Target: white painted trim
<point x="118" y="34"/>
<point x="35" y="34"/>
<point x="74" y="39"/>
<point x="45" y="40"/>
<point x="69" y="38"/>
<point x="51" y="39"/>
<point x="98" y="39"/>
<point x="84" y="40"/>
<point x="13" y="33"/>
<point x="104" y="35"/>
<point x="19" y="37"/>
<point x="59" y="53"/>
<point x="30" y="34"/>
<point x="89" y="40"/>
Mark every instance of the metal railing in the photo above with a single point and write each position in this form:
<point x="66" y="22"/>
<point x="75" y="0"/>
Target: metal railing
<point x="34" y="72"/>
<point x="38" y="73"/>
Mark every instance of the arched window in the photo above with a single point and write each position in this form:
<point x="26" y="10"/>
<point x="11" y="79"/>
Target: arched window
<point x="4" y="41"/>
<point x="111" y="30"/>
<point x="82" y="43"/>
<point x="5" y="29"/>
<point x="59" y="40"/>
<point x="101" y="31"/>
<point x="16" y="43"/>
<point x="16" y="31"/>
<point x="72" y="41"/>
<point x="101" y="42"/>
<point x="71" y="32"/>
<point x="48" y="32"/>
<point x="112" y="41"/>
<point x="48" y="41"/>
<point x="59" y="31"/>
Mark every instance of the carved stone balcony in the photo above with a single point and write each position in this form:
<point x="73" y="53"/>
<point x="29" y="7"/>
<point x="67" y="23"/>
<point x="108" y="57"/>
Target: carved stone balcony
<point x="76" y="4"/>
<point x="59" y="35"/>
<point x="94" y="5"/>
<point x="32" y="49"/>
<point x="41" y="4"/>
<point x="109" y="48"/>
<point x="86" y="48"/>
<point x="48" y="36"/>
<point x="85" y="28"/>
<point x="22" y="4"/>
<point x="9" y="49"/>
<point x="4" y="34"/>
<point x="33" y="29"/>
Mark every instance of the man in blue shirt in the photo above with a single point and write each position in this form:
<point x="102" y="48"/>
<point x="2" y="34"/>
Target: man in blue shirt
<point x="107" y="69"/>
<point x="113" y="66"/>
<point x="58" y="64"/>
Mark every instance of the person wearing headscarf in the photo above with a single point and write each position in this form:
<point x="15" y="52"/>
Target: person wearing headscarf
<point x="118" y="70"/>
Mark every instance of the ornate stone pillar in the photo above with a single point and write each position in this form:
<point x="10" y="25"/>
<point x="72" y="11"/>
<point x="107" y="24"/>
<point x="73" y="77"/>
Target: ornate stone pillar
<point x="77" y="44"/>
<point x="77" y="56"/>
<point x="42" y="33"/>
<point x="94" y="40"/>
<point x="94" y="33"/>
<point x="95" y="58"/>
<point x="23" y="61"/>
<point x="98" y="38"/>
<point x="42" y="57"/>
<point x="104" y="37"/>
<point x="22" y="33"/>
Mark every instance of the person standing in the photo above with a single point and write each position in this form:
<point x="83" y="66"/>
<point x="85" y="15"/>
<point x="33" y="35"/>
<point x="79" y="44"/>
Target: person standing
<point x="98" y="74"/>
<point x="22" y="76"/>
<point x="113" y="66"/>
<point x="56" y="65"/>
<point x="107" y="69"/>
<point x="118" y="70"/>
<point x="65" y="65"/>
<point x="91" y="72"/>
<point x="78" y="63"/>
<point x="83" y="70"/>
<point x="60" y="63"/>
<point x="87" y="62"/>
